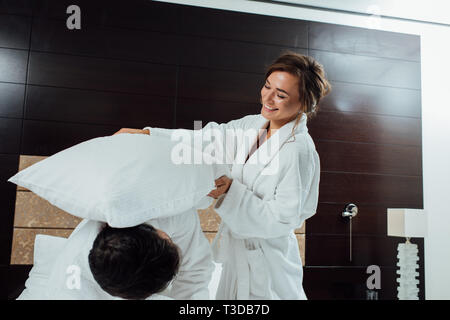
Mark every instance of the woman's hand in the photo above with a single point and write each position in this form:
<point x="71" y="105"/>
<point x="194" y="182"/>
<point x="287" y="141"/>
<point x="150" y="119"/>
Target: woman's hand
<point x="128" y="130"/>
<point x="222" y="185"/>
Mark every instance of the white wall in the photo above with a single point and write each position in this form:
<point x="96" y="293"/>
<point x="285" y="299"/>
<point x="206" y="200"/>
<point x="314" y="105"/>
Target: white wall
<point x="435" y="45"/>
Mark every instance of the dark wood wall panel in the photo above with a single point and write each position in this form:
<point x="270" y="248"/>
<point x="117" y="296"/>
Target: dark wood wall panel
<point x="9" y="164"/>
<point x="13" y="65"/>
<point x="101" y="74"/>
<point x="330" y="283"/>
<point x="369" y="70"/>
<point x="360" y="41"/>
<point x="371" y="220"/>
<point x="111" y="42"/>
<point x="230" y="55"/>
<point x="369" y="158"/>
<point x="141" y="14"/>
<point x="96" y="107"/>
<point x="4" y="281"/>
<point x="366" y="250"/>
<point x="360" y="127"/>
<point x="10" y="130"/>
<point x="11" y="100"/>
<point x="392" y="191"/>
<point x="190" y="110"/>
<point x="245" y="27"/>
<point x="368" y="99"/>
<point x="15" y="31"/>
<point x="46" y="138"/>
<point x="16" y="276"/>
<point x="22" y="7"/>
<point x="219" y="85"/>
<point x="166" y="65"/>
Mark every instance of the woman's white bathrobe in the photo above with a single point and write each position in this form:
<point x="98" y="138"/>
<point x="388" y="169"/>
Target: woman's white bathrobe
<point x="256" y="242"/>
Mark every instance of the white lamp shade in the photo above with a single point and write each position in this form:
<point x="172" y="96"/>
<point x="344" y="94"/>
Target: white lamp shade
<point x="408" y="223"/>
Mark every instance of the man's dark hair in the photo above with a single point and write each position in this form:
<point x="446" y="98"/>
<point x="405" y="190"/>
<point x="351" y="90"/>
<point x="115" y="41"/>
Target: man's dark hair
<point x="133" y="263"/>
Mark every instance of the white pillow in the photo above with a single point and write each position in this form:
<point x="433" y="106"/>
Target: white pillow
<point x="123" y="180"/>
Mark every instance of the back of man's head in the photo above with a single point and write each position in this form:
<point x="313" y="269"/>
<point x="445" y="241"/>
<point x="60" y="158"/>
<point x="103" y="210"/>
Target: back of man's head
<point x="133" y="263"/>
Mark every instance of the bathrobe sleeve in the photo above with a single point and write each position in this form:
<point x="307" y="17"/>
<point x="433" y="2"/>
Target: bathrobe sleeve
<point x="223" y="137"/>
<point x="196" y="267"/>
<point x="294" y="200"/>
<point x="241" y="123"/>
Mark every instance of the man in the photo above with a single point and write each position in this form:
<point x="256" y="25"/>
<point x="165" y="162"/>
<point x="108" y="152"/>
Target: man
<point x="163" y="258"/>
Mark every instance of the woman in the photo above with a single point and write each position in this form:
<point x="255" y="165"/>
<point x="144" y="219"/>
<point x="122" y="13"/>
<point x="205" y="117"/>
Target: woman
<point x="256" y="242"/>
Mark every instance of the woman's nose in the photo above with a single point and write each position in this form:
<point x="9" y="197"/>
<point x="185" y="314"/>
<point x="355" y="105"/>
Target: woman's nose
<point x="269" y="96"/>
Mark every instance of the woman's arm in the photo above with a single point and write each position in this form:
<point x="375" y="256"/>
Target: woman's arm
<point x="295" y="200"/>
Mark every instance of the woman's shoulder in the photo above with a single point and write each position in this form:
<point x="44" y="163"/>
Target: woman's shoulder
<point x="301" y="144"/>
<point x="248" y="121"/>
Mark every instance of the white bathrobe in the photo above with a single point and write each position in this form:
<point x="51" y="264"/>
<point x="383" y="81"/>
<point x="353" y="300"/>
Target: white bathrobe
<point x="256" y="242"/>
<point x="59" y="260"/>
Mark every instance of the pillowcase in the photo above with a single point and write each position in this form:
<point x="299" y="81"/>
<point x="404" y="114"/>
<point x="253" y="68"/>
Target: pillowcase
<point x="123" y="180"/>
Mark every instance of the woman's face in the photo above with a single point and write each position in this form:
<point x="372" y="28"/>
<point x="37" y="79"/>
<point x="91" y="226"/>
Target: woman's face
<point x="280" y="98"/>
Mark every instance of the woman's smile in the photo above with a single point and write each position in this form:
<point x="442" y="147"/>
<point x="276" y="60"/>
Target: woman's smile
<point x="269" y="109"/>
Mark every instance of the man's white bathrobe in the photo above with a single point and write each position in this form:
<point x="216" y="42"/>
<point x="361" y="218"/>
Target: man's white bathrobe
<point x="256" y="242"/>
<point x="61" y="267"/>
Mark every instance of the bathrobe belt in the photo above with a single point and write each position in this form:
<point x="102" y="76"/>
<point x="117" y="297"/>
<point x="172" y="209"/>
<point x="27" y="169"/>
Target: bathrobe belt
<point x="228" y="249"/>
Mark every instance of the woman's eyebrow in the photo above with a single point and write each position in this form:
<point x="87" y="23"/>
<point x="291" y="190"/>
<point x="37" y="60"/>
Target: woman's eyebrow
<point x="278" y="88"/>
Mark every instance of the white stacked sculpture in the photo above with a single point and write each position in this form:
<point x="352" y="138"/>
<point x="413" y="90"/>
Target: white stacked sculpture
<point x="408" y="223"/>
<point x="407" y="263"/>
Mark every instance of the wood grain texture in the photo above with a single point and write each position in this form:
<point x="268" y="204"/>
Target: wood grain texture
<point x="390" y="191"/>
<point x="46" y="138"/>
<point x="101" y="74"/>
<point x="14" y="31"/>
<point x="243" y="27"/>
<point x="96" y="107"/>
<point x="369" y="99"/>
<point x="17" y="275"/>
<point x="8" y="167"/>
<point x="19" y="7"/>
<point x="11" y="100"/>
<point x="109" y="42"/>
<point x="344" y="283"/>
<point x="369" y="70"/>
<point x="137" y="14"/>
<point x="230" y="55"/>
<point x="10" y="135"/>
<point x="219" y="85"/>
<point x="166" y="65"/>
<point x="371" y="220"/>
<point x="361" y="41"/>
<point x="360" y="127"/>
<point x="334" y="250"/>
<point x="343" y="156"/>
<point x="13" y="65"/>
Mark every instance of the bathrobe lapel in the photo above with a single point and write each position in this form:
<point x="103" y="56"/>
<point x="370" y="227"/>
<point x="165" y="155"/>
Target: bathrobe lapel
<point x="262" y="157"/>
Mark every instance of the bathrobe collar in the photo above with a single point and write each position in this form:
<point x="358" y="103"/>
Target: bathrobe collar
<point x="262" y="157"/>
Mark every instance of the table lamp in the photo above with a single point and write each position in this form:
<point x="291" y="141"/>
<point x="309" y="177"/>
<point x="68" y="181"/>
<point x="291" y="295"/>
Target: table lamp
<point x="408" y="223"/>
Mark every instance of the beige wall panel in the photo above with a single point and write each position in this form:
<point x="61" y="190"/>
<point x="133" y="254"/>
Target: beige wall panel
<point x="301" y="245"/>
<point x="302" y="229"/>
<point x="23" y="242"/>
<point x="25" y="162"/>
<point x="210" y="236"/>
<point x="34" y="212"/>
<point x="209" y="219"/>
